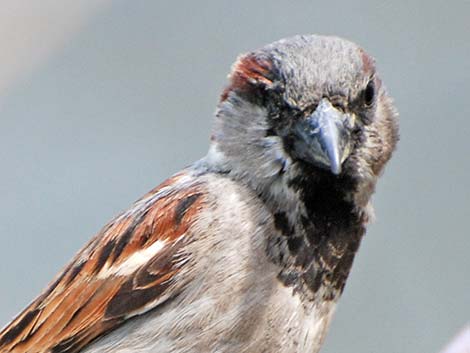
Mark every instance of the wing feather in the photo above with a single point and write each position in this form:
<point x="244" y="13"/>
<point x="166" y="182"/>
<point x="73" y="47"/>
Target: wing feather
<point x="126" y="270"/>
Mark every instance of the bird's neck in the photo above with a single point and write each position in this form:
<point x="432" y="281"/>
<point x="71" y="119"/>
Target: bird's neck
<point x="317" y="238"/>
<point x="318" y="225"/>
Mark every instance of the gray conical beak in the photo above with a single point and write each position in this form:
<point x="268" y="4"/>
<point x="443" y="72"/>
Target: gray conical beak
<point x="322" y="138"/>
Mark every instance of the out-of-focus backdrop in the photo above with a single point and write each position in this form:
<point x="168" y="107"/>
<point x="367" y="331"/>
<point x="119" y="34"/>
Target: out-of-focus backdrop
<point x="101" y="100"/>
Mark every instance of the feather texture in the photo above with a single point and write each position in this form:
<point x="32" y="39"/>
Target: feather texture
<point x="124" y="271"/>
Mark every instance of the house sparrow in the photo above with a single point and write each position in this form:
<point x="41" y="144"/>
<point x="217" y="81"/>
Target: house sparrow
<point x="248" y="249"/>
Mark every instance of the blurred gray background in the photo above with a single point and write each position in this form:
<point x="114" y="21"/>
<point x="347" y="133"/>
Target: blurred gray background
<point x="102" y="100"/>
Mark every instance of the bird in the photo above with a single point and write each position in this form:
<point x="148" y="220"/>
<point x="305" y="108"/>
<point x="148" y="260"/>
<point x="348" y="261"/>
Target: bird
<point x="248" y="249"/>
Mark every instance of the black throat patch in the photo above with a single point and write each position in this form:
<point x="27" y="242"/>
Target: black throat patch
<point x="317" y="251"/>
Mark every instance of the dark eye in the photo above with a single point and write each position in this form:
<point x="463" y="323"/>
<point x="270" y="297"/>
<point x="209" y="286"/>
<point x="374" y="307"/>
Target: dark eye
<point x="369" y="94"/>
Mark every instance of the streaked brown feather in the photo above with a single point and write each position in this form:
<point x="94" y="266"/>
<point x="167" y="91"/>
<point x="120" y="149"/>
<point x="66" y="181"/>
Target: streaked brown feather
<point x="247" y="72"/>
<point x="85" y="301"/>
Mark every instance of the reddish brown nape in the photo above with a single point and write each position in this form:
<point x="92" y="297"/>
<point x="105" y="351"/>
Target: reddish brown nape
<point x="368" y="63"/>
<point x="248" y="72"/>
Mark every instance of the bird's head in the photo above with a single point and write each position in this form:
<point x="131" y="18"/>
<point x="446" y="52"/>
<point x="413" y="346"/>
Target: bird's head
<point x="309" y="105"/>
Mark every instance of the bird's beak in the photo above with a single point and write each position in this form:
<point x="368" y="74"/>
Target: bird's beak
<point x="323" y="138"/>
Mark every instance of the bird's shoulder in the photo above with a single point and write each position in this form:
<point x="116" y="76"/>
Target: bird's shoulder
<point x="130" y="267"/>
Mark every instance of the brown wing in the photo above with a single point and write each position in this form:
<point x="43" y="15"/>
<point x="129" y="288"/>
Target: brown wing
<point x="126" y="270"/>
